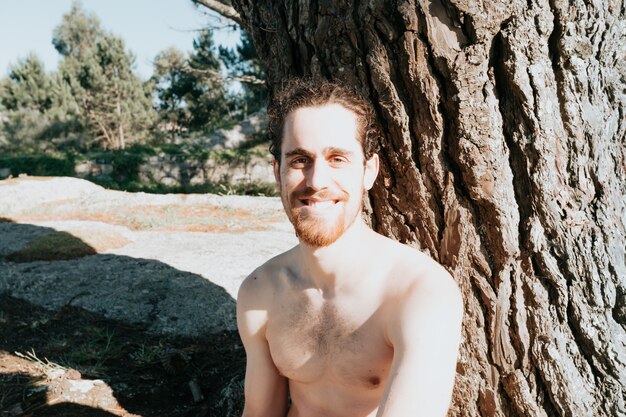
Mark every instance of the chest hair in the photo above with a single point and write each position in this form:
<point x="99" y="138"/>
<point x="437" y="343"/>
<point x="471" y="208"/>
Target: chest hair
<point x="323" y="329"/>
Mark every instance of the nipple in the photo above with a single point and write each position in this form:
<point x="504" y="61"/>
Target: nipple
<point x="374" y="381"/>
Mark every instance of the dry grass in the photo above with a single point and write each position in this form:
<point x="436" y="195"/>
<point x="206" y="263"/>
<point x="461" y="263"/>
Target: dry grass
<point x="68" y="244"/>
<point x="175" y="217"/>
<point x="52" y="247"/>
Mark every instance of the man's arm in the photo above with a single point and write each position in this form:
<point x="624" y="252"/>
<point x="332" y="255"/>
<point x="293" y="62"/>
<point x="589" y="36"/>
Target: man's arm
<point x="425" y="334"/>
<point x="265" y="389"/>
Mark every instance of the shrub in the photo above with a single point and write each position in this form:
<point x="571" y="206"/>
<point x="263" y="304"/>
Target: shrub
<point x="41" y="165"/>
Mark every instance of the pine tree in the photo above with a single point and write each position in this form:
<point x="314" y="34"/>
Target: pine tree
<point x="206" y="98"/>
<point x="27" y="86"/>
<point x="26" y="96"/>
<point x="172" y="80"/>
<point x="190" y="90"/>
<point x="77" y="32"/>
<point x="243" y="64"/>
<point x="112" y="100"/>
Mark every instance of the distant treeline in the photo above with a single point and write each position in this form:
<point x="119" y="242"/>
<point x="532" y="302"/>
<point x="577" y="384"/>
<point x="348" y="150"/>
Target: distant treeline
<point x="95" y="100"/>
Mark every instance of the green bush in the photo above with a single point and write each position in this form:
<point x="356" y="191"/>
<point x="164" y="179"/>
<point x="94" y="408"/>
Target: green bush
<point x="125" y="168"/>
<point x="125" y="163"/>
<point x="40" y="165"/>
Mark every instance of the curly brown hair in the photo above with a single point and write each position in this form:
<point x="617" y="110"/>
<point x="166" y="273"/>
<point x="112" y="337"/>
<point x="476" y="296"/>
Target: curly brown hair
<point x="305" y="92"/>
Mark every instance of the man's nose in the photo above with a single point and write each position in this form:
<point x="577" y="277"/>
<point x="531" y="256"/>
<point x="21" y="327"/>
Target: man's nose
<point x="318" y="175"/>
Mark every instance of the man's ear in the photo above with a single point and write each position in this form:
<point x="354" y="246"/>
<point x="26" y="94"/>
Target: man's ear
<point x="371" y="172"/>
<point x="276" y="172"/>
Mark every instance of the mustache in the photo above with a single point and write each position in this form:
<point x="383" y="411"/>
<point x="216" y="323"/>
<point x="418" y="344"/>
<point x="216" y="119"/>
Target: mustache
<point x="322" y="195"/>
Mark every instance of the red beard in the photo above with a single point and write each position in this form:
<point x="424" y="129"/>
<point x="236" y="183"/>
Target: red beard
<point x="313" y="230"/>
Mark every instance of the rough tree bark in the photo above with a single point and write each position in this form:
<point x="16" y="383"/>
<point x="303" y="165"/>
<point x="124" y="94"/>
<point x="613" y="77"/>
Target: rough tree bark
<point x="503" y="158"/>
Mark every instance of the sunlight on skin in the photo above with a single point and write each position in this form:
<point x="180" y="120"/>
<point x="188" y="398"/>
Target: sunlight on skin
<point x="344" y="331"/>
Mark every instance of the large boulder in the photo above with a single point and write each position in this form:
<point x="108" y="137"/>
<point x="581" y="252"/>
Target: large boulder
<point x="173" y="263"/>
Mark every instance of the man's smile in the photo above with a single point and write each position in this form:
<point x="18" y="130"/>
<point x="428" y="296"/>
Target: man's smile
<point x="318" y="201"/>
<point x="318" y="204"/>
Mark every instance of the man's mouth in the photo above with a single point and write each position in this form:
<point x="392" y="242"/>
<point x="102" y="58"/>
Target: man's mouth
<point x="318" y="204"/>
<point x="319" y="201"/>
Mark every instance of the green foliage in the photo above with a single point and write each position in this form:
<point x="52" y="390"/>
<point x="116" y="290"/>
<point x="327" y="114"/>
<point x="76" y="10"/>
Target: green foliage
<point x="147" y="355"/>
<point x="243" y="63"/>
<point x="95" y="107"/>
<point x="27" y="87"/>
<point x="203" y="57"/>
<point x="254" y="188"/>
<point x="77" y="32"/>
<point x="125" y="166"/>
<point x="41" y="165"/>
<point x="171" y="83"/>
<point x="24" y="129"/>
<point x="98" y="346"/>
<point x="190" y="90"/>
<point x="112" y="101"/>
<point x="94" y="95"/>
<point x="38" y="112"/>
<point x="96" y="100"/>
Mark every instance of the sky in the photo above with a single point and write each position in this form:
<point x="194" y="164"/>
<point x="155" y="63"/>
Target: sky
<point x="147" y="27"/>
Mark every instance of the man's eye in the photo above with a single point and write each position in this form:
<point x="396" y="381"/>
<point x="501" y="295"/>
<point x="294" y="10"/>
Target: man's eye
<point x="299" y="162"/>
<point x="338" y="160"/>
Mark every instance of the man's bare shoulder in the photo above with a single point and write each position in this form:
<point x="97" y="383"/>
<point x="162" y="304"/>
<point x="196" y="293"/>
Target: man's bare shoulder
<point x="264" y="281"/>
<point x="415" y="271"/>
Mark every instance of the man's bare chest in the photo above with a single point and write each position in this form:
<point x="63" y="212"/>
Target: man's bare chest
<point x="313" y="341"/>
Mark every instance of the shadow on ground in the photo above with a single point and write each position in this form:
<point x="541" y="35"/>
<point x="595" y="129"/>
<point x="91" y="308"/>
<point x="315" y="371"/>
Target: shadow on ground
<point x="50" y="357"/>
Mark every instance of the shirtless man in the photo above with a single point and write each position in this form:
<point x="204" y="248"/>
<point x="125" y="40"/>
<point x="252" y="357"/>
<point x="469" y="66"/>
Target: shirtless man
<point x="348" y="323"/>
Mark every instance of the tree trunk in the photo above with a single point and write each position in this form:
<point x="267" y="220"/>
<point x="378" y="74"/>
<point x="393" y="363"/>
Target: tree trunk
<point x="120" y="129"/>
<point x="503" y="158"/>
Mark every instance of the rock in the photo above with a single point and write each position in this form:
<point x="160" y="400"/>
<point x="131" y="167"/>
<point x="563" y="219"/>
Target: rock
<point x="235" y="136"/>
<point x="173" y="282"/>
<point x="92" y="393"/>
<point x="22" y="193"/>
<point x="169" y="181"/>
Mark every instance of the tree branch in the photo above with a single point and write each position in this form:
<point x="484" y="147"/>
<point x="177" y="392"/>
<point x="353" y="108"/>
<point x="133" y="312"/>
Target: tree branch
<point x="223" y="9"/>
<point x="249" y="79"/>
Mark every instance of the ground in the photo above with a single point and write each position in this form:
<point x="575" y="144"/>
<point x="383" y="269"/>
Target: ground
<point x="122" y="304"/>
<point x="72" y="362"/>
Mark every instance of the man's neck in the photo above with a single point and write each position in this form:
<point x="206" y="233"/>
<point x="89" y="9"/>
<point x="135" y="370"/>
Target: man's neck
<point x="334" y="266"/>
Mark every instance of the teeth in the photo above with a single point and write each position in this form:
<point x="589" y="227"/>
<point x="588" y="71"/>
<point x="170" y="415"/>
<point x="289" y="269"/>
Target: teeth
<point x="321" y="204"/>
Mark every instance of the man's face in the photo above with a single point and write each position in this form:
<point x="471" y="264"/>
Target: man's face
<point x="323" y="174"/>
